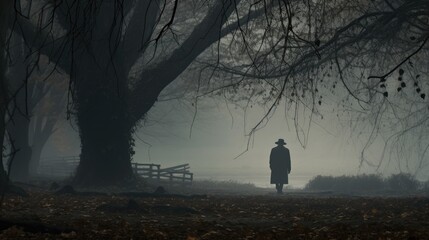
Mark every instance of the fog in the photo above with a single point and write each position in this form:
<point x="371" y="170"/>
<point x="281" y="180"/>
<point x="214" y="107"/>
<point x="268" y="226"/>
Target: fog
<point x="213" y="137"/>
<point x="215" y="143"/>
<point x="216" y="147"/>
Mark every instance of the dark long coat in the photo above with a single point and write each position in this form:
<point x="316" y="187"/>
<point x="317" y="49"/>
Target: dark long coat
<point x="280" y="164"/>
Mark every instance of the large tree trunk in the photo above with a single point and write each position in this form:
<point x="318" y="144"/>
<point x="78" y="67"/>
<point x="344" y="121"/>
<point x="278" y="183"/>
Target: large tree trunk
<point x="5" y="13"/>
<point x="106" y="138"/>
<point x="101" y="99"/>
<point x="104" y="126"/>
<point x="3" y="176"/>
<point x="43" y="129"/>
<point x="36" y="154"/>
<point x="18" y="129"/>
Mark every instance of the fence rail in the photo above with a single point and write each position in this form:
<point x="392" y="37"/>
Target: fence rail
<point x="154" y="171"/>
<point x="66" y="166"/>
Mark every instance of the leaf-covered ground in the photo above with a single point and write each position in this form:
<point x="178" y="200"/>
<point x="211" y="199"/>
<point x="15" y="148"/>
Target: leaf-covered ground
<point x="266" y="216"/>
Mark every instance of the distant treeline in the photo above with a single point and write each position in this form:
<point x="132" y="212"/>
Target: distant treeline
<point x="401" y="182"/>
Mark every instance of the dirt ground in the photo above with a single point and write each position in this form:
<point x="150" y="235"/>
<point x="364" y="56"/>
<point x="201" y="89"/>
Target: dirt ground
<point x="44" y="215"/>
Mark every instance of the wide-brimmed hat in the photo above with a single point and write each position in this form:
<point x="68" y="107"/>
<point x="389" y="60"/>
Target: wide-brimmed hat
<point x="281" y="142"/>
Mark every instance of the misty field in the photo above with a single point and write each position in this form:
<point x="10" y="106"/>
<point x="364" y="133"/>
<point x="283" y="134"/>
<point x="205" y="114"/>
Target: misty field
<point x="299" y="215"/>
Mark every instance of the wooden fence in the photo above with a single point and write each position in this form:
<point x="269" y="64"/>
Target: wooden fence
<point x="154" y="171"/>
<point x="66" y="166"/>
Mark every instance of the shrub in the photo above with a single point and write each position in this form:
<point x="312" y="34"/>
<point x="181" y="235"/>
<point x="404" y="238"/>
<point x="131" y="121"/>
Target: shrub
<point x="320" y="183"/>
<point x="371" y="182"/>
<point x="402" y="182"/>
<point x="344" y="183"/>
<point x="425" y="186"/>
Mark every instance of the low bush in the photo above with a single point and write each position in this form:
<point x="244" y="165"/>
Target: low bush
<point x="401" y="182"/>
<point x="425" y="186"/>
<point x="320" y="183"/>
<point x="345" y="183"/>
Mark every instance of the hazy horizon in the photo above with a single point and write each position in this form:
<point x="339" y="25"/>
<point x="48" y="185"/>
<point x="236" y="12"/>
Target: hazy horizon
<point x="218" y="137"/>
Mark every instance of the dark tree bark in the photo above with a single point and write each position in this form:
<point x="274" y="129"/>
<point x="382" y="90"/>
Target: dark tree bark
<point x="43" y="129"/>
<point x="3" y="176"/>
<point x="19" y="129"/>
<point x="106" y="138"/>
<point x="19" y="123"/>
<point x="104" y="124"/>
<point x="36" y="155"/>
<point x="5" y="11"/>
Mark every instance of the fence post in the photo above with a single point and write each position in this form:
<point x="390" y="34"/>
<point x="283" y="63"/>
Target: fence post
<point x="134" y="167"/>
<point x="150" y="171"/>
<point x="158" y="175"/>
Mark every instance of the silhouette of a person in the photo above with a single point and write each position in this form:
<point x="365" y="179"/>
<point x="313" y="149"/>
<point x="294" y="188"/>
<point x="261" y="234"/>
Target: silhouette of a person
<point x="280" y="165"/>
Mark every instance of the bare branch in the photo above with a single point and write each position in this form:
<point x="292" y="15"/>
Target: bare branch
<point x="139" y="31"/>
<point x="159" y="77"/>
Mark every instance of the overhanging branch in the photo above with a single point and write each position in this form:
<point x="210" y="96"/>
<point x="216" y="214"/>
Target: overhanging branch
<point x="43" y="42"/>
<point x="156" y="79"/>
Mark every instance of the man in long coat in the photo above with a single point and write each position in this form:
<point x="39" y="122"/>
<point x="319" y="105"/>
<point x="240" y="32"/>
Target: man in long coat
<point x="280" y="165"/>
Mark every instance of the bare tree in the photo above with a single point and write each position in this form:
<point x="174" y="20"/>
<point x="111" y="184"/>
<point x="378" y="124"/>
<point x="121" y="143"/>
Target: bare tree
<point x="121" y="55"/>
<point x="98" y="44"/>
<point x="38" y="103"/>
<point x="49" y="111"/>
<point x="28" y="84"/>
